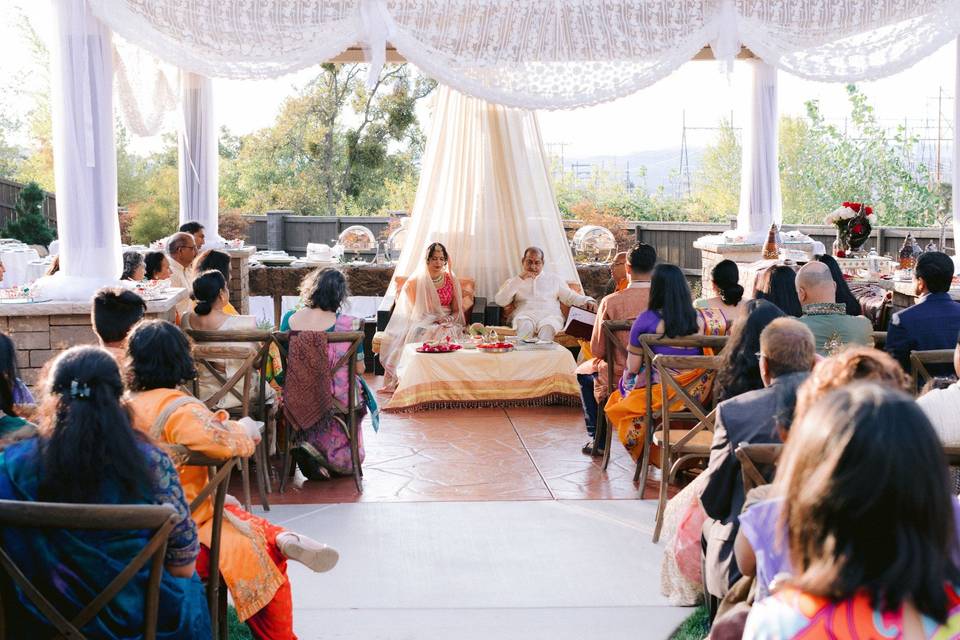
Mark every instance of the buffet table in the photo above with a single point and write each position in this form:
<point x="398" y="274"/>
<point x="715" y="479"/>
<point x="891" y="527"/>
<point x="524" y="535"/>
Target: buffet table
<point x="471" y="378"/>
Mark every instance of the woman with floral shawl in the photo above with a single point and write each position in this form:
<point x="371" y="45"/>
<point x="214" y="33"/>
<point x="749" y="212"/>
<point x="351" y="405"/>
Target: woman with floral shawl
<point x="429" y="307"/>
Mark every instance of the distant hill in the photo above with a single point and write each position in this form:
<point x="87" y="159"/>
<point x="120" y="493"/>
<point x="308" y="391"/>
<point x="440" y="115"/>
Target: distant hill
<point x="660" y="164"/>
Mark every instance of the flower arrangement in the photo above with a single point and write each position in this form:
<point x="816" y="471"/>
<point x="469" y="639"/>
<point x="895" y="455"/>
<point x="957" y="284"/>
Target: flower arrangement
<point x="852" y="220"/>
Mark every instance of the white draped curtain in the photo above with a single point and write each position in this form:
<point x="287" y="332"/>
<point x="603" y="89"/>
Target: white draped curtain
<point x="85" y="160"/>
<point x="199" y="155"/>
<point x="485" y="192"/>
<point x="760" y="204"/>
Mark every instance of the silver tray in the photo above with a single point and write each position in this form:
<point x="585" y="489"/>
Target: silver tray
<point x="497" y="350"/>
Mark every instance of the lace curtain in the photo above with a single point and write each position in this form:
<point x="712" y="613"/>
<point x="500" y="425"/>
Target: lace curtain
<point x="538" y="53"/>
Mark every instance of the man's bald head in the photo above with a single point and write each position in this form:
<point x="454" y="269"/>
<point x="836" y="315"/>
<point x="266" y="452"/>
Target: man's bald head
<point x="815" y="284"/>
<point x="182" y="247"/>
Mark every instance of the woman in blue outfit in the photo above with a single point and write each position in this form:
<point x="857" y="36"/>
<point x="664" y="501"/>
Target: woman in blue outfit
<point x="88" y="453"/>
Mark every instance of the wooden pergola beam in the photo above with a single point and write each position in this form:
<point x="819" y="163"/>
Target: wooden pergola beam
<point x="354" y="54"/>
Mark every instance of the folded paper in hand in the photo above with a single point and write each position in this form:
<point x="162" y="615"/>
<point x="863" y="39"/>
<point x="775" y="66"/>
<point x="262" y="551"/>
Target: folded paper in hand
<point x="580" y="323"/>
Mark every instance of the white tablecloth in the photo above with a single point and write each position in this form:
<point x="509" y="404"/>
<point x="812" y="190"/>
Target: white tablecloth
<point x="473" y="378"/>
<point x="17" y="265"/>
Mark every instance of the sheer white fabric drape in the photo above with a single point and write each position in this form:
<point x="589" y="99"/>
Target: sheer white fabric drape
<point x="198" y="159"/>
<point x="85" y="158"/>
<point x="485" y="192"/>
<point x="760" y="204"/>
<point x="956" y="154"/>
<point x="539" y="53"/>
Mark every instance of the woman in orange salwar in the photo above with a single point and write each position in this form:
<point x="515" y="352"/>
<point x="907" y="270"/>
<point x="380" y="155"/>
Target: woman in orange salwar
<point x="670" y="314"/>
<point x="253" y="552"/>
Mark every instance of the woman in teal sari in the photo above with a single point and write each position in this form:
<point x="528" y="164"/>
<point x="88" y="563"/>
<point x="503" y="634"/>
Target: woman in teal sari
<point x="87" y="452"/>
<point x="12" y="392"/>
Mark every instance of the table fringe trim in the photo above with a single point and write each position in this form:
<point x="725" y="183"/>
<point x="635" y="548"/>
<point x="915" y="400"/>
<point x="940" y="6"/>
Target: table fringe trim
<point x="562" y="399"/>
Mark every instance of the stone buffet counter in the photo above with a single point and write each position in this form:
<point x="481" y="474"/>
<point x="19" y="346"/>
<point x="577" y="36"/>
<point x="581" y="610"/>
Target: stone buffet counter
<point x="41" y="330"/>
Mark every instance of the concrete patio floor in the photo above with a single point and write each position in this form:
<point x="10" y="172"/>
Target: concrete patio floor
<point x="480" y="524"/>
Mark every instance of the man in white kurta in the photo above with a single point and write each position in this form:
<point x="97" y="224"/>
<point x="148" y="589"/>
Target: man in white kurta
<point x="537" y="296"/>
<point x="181" y="249"/>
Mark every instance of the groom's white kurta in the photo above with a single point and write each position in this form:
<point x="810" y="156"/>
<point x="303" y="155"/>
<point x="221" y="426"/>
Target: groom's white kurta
<point x="538" y="299"/>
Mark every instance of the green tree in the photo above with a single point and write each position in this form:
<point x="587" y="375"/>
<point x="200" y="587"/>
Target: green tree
<point x="718" y="180"/>
<point x="29" y="225"/>
<point x="335" y="148"/>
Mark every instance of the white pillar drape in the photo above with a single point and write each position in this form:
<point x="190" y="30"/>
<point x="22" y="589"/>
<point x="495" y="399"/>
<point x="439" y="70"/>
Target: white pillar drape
<point x="198" y="156"/>
<point x="956" y="154"/>
<point x="485" y="192"/>
<point x="760" y="204"/>
<point x="84" y="153"/>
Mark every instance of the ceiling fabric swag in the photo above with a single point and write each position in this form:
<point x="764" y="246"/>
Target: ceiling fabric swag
<point x="238" y="39"/>
<point x="846" y="40"/>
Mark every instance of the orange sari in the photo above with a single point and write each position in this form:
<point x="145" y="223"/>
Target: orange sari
<point x="627" y="414"/>
<point x="250" y="573"/>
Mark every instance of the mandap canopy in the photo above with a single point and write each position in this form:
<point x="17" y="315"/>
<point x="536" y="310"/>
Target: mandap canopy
<point x="531" y="54"/>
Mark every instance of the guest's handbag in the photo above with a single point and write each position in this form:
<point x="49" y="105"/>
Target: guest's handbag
<point x="686" y="546"/>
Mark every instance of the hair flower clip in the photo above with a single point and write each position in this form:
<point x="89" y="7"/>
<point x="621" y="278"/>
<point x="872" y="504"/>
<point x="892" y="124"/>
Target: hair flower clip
<point x="78" y="390"/>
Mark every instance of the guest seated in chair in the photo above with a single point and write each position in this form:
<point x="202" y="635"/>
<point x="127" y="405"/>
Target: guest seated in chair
<point x="537" y="296"/>
<point x="13" y="427"/>
<point x="625" y="304"/>
<point x="115" y="312"/>
<point x="429" y="307"/>
<point x="786" y="358"/>
<point x="864" y="568"/>
<point x="321" y="446"/>
<point x="133" y="266"/>
<point x="21" y="398"/>
<point x="832" y="328"/>
<point x="844" y="295"/>
<point x="88" y="453"/>
<point x="932" y="323"/>
<point x="218" y="261"/>
<point x="740" y="364"/>
<point x="725" y="277"/>
<point x="778" y="285"/>
<point x="156" y="266"/>
<point x="254" y="552"/>
<point x="670" y="314"/>
<point x="181" y="249"/>
<point x="618" y="275"/>
<point x="211" y="296"/>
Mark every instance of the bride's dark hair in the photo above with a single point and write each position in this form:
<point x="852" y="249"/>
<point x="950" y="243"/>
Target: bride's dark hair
<point x="434" y="246"/>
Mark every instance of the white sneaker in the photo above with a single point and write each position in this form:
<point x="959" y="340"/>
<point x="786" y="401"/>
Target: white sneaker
<point x="307" y="551"/>
<point x="654" y="473"/>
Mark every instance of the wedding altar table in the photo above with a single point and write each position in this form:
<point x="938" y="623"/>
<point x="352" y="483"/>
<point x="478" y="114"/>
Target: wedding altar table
<point x="471" y="378"/>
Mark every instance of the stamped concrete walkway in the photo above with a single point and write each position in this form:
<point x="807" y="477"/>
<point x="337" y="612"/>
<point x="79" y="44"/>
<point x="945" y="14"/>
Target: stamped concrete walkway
<point x="480" y="524"/>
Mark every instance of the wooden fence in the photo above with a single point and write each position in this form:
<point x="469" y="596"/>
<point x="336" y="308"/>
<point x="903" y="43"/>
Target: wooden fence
<point x="9" y="191"/>
<point x="673" y="240"/>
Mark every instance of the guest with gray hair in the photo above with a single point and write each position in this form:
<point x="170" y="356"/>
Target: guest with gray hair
<point x="133" y="266"/>
<point x="537" y="295"/>
<point x="786" y="358"/>
<point x="832" y="328"/>
<point x="182" y="249"/>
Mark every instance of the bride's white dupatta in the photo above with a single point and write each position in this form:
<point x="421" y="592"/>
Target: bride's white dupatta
<point x="418" y="316"/>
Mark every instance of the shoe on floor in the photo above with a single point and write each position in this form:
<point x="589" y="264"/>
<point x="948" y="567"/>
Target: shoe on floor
<point x="588" y="450"/>
<point x="307" y="551"/>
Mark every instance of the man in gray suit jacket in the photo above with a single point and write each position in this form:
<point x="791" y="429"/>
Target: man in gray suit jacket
<point x="787" y="352"/>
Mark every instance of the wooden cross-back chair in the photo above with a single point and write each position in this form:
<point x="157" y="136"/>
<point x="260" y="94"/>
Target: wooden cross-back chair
<point x="920" y="360"/>
<point x="648" y="342"/>
<point x="211" y="347"/>
<point x="754" y="456"/>
<point x="350" y="424"/>
<point x="603" y="433"/>
<point x="161" y="519"/>
<point x="219" y="472"/>
<point x="679" y="446"/>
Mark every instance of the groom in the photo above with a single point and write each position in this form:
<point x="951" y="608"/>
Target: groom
<point x="537" y="296"/>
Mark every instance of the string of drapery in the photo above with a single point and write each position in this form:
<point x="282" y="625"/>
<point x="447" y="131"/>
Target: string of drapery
<point x="543" y="54"/>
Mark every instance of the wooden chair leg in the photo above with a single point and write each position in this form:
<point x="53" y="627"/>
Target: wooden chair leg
<point x="224" y="627"/>
<point x="245" y="473"/>
<point x="355" y="452"/>
<point x="644" y="468"/>
<point x="285" y="459"/>
<point x="664" y="481"/>
<point x="262" y="480"/>
<point x="607" y="443"/>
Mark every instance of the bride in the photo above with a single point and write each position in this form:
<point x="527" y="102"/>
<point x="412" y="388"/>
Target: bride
<point x="429" y="307"/>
